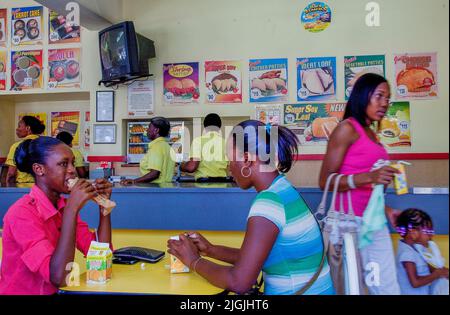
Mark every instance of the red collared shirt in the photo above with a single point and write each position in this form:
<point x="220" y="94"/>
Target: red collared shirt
<point x="31" y="230"/>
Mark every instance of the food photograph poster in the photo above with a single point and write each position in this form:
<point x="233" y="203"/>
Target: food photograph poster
<point x="3" y="63"/>
<point x="62" y="31"/>
<point x="416" y="76"/>
<point x="3" y="27"/>
<point x="181" y="83"/>
<point x="268" y="80"/>
<point x="66" y="121"/>
<point x="313" y="123"/>
<point x="27" y="25"/>
<point x="42" y="118"/>
<point x="223" y="81"/>
<point x="64" y="67"/>
<point x="316" y="78"/>
<point x="395" y="128"/>
<point x="357" y="66"/>
<point x="26" y="70"/>
<point x="269" y="114"/>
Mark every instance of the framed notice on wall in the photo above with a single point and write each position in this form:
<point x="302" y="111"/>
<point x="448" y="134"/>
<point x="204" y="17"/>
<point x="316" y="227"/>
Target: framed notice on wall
<point x="105" y="134"/>
<point x="104" y="106"/>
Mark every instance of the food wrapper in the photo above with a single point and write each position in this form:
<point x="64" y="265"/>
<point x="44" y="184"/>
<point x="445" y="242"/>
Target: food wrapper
<point x="98" y="263"/>
<point x="176" y="266"/>
<point x="400" y="182"/>
<point x="106" y="204"/>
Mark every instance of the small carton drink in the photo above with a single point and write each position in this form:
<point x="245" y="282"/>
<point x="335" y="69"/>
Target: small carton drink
<point x="400" y="183"/>
<point x="98" y="263"/>
<point x="176" y="266"/>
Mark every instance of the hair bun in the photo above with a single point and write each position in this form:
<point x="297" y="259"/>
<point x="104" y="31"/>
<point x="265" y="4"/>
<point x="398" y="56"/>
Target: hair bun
<point x="22" y="157"/>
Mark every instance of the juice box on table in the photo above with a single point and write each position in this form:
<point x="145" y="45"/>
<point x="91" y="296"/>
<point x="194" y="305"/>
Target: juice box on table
<point x="98" y="263"/>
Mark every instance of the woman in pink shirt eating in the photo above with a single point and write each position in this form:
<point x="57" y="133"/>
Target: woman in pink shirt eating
<point x="42" y="229"/>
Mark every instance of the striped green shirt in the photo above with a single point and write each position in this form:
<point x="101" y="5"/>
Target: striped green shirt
<point x="297" y="252"/>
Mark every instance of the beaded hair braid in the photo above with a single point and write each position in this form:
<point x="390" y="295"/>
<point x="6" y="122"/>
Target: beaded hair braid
<point x="411" y="219"/>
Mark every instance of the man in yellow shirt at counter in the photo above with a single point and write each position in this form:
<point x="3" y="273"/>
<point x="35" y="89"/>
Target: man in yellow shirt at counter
<point x="28" y="128"/>
<point x="208" y="160"/>
<point x="158" y="164"/>
<point x="67" y="138"/>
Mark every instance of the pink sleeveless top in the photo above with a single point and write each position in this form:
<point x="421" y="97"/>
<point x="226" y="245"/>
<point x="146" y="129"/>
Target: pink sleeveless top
<point x="360" y="158"/>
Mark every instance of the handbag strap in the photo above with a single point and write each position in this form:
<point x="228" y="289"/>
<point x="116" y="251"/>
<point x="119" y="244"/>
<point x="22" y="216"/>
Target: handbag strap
<point x="321" y="209"/>
<point x="335" y="192"/>
<point x="318" y="271"/>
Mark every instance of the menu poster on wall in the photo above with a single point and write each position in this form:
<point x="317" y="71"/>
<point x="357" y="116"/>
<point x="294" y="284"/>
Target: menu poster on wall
<point x="181" y="83"/>
<point x="316" y="78"/>
<point x="27" y="25"/>
<point x="395" y="128"/>
<point x="269" y="114"/>
<point x="66" y="121"/>
<point x="26" y="70"/>
<point x="223" y="81"/>
<point x="357" y="66"/>
<point x="141" y="98"/>
<point x="3" y="27"/>
<point x="316" y="17"/>
<point x="87" y="130"/>
<point x="64" y="68"/>
<point x="42" y="118"/>
<point x="61" y="30"/>
<point x="313" y="123"/>
<point x="416" y="76"/>
<point x="268" y="80"/>
<point x="3" y="63"/>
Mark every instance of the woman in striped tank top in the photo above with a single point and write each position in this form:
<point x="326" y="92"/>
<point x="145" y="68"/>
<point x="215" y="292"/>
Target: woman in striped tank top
<point x="282" y="236"/>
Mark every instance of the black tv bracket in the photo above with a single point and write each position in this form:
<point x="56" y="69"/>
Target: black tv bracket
<point x="110" y="83"/>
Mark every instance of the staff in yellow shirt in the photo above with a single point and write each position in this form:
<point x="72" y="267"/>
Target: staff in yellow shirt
<point x="29" y="127"/>
<point x="208" y="161"/>
<point x="67" y="138"/>
<point x="158" y="164"/>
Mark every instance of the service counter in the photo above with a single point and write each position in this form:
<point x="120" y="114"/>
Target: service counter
<point x="219" y="207"/>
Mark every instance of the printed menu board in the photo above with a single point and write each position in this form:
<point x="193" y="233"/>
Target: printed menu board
<point x="27" y="26"/>
<point x="269" y="114"/>
<point x="26" y="70"/>
<point x="3" y="63"/>
<point x="61" y="30"/>
<point x="223" y="81"/>
<point x="64" y="68"/>
<point x="316" y="78"/>
<point x="416" y="76"/>
<point x="3" y="27"/>
<point x="66" y="121"/>
<point x="357" y="66"/>
<point x="268" y="80"/>
<point x="313" y="123"/>
<point x="181" y="83"/>
<point x="395" y="128"/>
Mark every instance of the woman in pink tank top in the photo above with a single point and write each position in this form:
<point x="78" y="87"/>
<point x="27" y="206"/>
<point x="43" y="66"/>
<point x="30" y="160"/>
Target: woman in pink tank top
<point x="353" y="149"/>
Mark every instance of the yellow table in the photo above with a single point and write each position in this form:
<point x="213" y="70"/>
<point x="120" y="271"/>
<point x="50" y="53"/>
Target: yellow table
<point x="156" y="278"/>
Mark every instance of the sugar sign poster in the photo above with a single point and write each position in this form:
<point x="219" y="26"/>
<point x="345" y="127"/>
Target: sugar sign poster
<point x="313" y="123"/>
<point x="27" y="26"/>
<point x="316" y="78"/>
<point x="223" y="81"/>
<point x="268" y="80"/>
<point x="416" y="76"/>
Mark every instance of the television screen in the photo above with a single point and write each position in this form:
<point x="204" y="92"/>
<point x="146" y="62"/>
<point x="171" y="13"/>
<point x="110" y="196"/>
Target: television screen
<point x="124" y="54"/>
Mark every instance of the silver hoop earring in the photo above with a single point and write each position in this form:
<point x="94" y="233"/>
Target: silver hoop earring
<point x="242" y="172"/>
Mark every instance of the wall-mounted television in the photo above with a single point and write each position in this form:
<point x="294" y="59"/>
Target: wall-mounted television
<point x="124" y="53"/>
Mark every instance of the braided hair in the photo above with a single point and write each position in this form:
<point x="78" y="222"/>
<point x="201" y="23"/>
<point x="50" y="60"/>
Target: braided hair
<point x="411" y="219"/>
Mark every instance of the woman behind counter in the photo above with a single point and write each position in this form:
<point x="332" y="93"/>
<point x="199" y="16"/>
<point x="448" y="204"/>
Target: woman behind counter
<point x="158" y="164"/>
<point x="29" y="127"/>
<point x="282" y="236"/>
